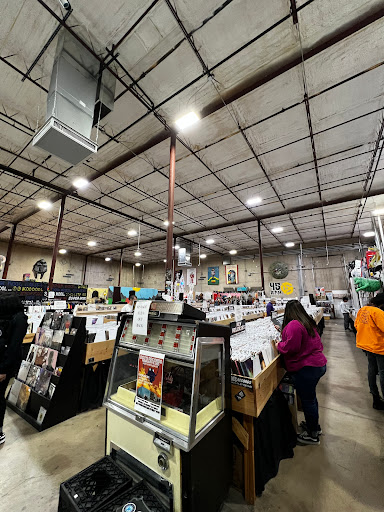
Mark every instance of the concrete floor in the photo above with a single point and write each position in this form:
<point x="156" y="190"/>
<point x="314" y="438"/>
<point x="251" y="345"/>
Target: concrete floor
<point x="346" y="473"/>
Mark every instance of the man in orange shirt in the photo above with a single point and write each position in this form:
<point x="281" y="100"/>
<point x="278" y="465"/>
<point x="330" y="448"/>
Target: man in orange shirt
<point x="370" y="337"/>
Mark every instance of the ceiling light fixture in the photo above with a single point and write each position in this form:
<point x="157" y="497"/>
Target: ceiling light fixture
<point x="44" y="204"/>
<point x="233" y="251"/>
<point x="210" y="241"/>
<point x="137" y="253"/>
<point x="203" y="256"/>
<point x="289" y="244"/>
<point x="277" y="229"/>
<point x="166" y="223"/>
<point x="137" y="264"/>
<point x="80" y="183"/>
<point x="177" y="247"/>
<point x="254" y="201"/>
<point x="63" y="251"/>
<point x="132" y="232"/>
<point x="378" y="212"/>
<point x="107" y="259"/>
<point x="186" y="121"/>
<point x="369" y="233"/>
<point x="91" y="244"/>
<point x="165" y="261"/>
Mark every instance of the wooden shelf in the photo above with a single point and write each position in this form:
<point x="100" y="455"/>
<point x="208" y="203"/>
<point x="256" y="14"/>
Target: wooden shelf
<point x="99" y="351"/>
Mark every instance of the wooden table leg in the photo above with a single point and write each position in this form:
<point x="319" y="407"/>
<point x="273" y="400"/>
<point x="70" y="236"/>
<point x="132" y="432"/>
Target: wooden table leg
<point x="249" y="462"/>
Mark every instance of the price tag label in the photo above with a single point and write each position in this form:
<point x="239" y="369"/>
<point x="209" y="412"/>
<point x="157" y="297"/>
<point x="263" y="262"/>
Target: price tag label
<point x="140" y="317"/>
<point x="238" y="314"/>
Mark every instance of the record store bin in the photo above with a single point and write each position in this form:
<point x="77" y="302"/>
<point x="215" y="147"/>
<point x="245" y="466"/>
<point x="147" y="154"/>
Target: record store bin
<point x="185" y="452"/>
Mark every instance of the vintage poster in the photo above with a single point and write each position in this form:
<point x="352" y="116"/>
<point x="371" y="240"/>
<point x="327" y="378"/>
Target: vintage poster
<point x="149" y="387"/>
<point x="191" y="277"/>
<point x="232" y="274"/>
<point x="213" y="275"/>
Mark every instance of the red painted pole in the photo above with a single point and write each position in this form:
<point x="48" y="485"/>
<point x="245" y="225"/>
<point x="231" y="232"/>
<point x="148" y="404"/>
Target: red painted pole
<point x="261" y="255"/>
<point x="9" y="251"/>
<point x="121" y="266"/>
<point x="57" y="241"/>
<point x="171" y="202"/>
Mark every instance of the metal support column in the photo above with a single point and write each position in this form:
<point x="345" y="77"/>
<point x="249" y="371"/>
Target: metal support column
<point x="85" y="268"/>
<point x="9" y="251"/>
<point x="171" y="200"/>
<point x="121" y="267"/>
<point x="260" y="255"/>
<point x="57" y="240"/>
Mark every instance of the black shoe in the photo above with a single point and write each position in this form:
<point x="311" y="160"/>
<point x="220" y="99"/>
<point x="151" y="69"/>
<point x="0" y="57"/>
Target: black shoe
<point x="306" y="438"/>
<point x="2" y="438"/>
<point x="303" y="425"/>
<point x="378" y="404"/>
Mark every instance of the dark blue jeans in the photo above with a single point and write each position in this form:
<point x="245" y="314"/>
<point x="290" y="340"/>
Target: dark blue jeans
<point x="306" y="381"/>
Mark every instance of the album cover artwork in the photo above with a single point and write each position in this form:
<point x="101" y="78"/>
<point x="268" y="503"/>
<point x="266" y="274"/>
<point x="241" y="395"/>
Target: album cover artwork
<point x="57" y="339"/>
<point x="41" y="355"/>
<point x="47" y="319"/>
<point x="41" y="415"/>
<point x="50" y="360"/>
<point x="58" y="320"/>
<point x="67" y="322"/>
<point x="39" y="331"/>
<point x="32" y="376"/>
<point x="14" y="392"/>
<point x="65" y="350"/>
<point x="44" y="379"/>
<point x="23" y="371"/>
<point x="58" y="371"/>
<point x="24" y="394"/>
<point x="46" y="339"/>
<point x="51" y="390"/>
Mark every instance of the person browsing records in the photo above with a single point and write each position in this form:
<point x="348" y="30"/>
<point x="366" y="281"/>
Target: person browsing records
<point x="13" y="327"/>
<point x="128" y="308"/>
<point x="270" y="307"/>
<point x="370" y="338"/>
<point x="304" y="359"/>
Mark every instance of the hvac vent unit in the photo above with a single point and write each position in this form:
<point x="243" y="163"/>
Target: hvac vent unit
<point x="70" y="103"/>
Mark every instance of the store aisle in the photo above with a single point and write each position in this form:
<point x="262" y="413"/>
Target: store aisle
<point x="345" y="473"/>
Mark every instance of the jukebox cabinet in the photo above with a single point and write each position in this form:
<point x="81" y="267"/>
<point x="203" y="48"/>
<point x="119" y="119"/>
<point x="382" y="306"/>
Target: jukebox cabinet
<point x="185" y="454"/>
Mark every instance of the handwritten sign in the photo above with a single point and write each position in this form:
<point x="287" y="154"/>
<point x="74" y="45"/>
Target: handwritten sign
<point x="140" y="317"/>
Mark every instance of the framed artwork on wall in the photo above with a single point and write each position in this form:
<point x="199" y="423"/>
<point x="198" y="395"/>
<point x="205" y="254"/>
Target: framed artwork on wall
<point x="213" y="276"/>
<point x="232" y="274"/>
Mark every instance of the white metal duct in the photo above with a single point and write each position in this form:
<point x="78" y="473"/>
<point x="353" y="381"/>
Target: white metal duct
<point x="70" y="103"/>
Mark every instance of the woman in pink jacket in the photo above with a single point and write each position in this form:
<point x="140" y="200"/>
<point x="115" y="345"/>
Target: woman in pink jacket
<point x="304" y="359"/>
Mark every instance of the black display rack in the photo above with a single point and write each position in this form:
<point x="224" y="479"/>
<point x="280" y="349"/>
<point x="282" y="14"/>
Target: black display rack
<point x="64" y="402"/>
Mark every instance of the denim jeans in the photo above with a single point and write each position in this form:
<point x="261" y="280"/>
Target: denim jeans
<point x="375" y="366"/>
<point x="348" y="323"/>
<point x="306" y="380"/>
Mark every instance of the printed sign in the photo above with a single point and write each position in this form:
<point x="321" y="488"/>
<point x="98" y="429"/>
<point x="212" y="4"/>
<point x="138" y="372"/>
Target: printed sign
<point x="232" y="274"/>
<point x="238" y="314"/>
<point x="244" y="382"/>
<point x="191" y="277"/>
<point x="237" y="327"/>
<point x="28" y="291"/>
<point x="74" y="293"/>
<point x="213" y="275"/>
<point x="149" y="387"/>
<point x="140" y="317"/>
<point x="275" y="288"/>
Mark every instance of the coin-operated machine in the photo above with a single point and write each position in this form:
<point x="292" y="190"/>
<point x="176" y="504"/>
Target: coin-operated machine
<point x="178" y="441"/>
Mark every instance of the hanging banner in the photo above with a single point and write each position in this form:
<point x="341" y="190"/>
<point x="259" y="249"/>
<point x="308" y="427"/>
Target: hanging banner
<point x="149" y="388"/>
<point x="191" y="276"/>
<point x="29" y="292"/>
<point x="75" y="293"/>
<point x="213" y="275"/>
<point x="232" y="274"/>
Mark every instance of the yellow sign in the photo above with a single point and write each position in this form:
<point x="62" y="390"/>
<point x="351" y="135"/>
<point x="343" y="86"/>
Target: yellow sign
<point x="287" y="288"/>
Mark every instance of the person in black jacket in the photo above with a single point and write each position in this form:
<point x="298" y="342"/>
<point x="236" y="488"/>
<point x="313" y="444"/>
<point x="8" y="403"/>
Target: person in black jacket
<point x="13" y="327"/>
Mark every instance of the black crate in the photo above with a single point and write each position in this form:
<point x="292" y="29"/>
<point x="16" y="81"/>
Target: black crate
<point x="141" y="496"/>
<point x="93" y="487"/>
